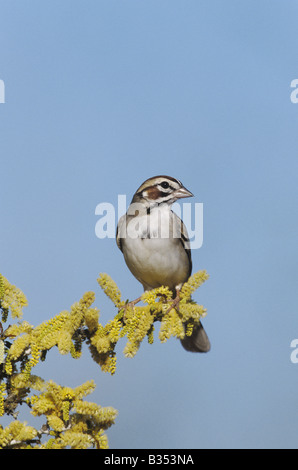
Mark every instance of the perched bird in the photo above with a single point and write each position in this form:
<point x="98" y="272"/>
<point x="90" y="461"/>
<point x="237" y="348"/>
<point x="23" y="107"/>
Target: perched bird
<point x="155" y="244"/>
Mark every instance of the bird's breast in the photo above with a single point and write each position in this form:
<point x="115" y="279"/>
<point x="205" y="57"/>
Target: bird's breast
<point x="153" y="254"/>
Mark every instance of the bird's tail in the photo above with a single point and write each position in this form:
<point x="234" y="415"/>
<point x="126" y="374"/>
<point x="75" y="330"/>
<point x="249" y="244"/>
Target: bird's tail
<point x="198" y="341"/>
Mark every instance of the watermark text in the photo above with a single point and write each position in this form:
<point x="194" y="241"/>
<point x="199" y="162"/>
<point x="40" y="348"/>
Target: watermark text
<point x="2" y="92"/>
<point x="294" y="353"/>
<point x="160" y="224"/>
<point x="294" y="93"/>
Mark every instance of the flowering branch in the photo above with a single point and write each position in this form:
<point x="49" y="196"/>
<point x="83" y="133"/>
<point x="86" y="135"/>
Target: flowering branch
<point x="70" y="420"/>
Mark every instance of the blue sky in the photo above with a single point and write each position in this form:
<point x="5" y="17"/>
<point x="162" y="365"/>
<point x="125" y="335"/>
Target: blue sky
<point x="99" y="96"/>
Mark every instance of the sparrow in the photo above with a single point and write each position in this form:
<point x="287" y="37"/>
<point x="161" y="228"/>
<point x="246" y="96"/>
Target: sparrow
<point x="155" y="244"/>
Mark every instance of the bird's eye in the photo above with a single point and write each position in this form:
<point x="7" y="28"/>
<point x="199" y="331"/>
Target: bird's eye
<point x="165" y="184"/>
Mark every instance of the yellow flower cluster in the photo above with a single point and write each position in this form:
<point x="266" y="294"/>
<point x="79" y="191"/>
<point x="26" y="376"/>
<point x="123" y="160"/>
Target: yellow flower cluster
<point x="102" y="344"/>
<point x="91" y="319"/>
<point x="134" y="323"/>
<point x="2" y="288"/>
<point x="11" y="298"/>
<point x="19" y="328"/>
<point x="138" y="322"/>
<point x="2" y="350"/>
<point x="72" y="422"/>
<point x="35" y="355"/>
<point x="192" y="312"/>
<point x="192" y="284"/>
<point x="16" y="435"/>
<point x="2" y="396"/>
<point x="110" y="288"/>
<point x="150" y="297"/>
<point x="8" y="366"/>
<point x="69" y="329"/>
<point x="31" y="343"/>
<point x="171" y="325"/>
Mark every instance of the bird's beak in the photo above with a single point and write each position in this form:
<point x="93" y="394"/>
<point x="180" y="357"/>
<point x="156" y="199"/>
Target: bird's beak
<point x="182" y="192"/>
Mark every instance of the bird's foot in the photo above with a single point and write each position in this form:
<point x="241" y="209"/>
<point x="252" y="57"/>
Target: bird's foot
<point x="129" y="305"/>
<point x="175" y="302"/>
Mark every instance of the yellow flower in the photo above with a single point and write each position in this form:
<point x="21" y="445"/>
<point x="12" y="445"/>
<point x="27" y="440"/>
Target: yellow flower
<point x="91" y="319"/>
<point x="84" y="389"/>
<point x="8" y="366"/>
<point x="101" y="440"/>
<point x="88" y="299"/>
<point x="110" y="288"/>
<point x="64" y="342"/>
<point x="195" y="281"/>
<point x="150" y="335"/>
<point x="55" y="422"/>
<point x="12" y="298"/>
<point x="115" y="328"/>
<point x="2" y="396"/>
<point x="16" y="432"/>
<point x="2" y="349"/>
<point x="171" y="325"/>
<point x="65" y="410"/>
<point x="1" y="286"/>
<point x="67" y="393"/>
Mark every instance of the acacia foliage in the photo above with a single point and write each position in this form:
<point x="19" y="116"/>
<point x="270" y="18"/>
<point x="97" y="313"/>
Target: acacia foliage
<point x="69" y="420"/>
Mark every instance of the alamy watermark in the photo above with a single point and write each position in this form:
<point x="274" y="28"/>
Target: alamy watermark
<point x="2" y="91"/>
<point x="294" y="353"/>
<point x="191" y="214"/>
<point x="294" y="93"/>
